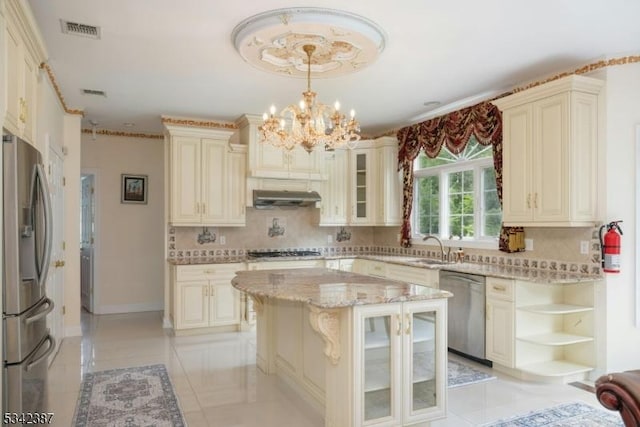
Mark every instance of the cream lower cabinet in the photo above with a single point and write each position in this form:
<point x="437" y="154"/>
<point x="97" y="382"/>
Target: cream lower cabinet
<point x="420" y="276"/>
<point x="500" y="321"/>
<point x="274" y="265"/>
<point x="399" y="363"/>
<point x="550" y="153"/>
<point x="204" y="297"/>
<point x="342" y="264"/>
<point x="555" y="330"/>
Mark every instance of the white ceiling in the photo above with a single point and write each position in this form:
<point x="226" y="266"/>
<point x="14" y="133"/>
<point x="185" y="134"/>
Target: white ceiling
<point x="168" y="57"/>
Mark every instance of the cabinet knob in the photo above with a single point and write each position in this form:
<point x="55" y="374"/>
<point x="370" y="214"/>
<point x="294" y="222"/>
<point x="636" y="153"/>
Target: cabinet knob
<point x="399" y="322"/>
<point x="529" y="200"/>
<point x="535" y="200"/>
<point x="499" y="288"/>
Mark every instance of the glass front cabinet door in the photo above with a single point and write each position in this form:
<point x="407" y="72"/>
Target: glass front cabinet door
<point x="400" y="363"/>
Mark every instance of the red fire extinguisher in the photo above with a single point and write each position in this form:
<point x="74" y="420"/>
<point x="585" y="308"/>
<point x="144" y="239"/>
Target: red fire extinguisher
<point x="610" y="247"/>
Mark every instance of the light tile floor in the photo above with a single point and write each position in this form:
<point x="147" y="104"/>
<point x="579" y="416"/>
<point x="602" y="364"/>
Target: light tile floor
<point x="218" y="385"/>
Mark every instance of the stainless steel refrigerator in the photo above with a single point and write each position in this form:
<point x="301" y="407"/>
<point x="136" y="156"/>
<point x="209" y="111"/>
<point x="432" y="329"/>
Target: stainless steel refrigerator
<point x="26" y="255"/>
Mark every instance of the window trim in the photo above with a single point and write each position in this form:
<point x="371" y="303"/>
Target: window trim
<point x="443" y="171"/>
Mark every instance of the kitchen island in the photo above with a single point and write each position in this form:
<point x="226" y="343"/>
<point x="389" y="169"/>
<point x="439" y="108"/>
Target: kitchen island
<point x="365" y="350"/>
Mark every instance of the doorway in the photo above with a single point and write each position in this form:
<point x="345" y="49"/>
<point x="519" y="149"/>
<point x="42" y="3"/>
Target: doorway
<point x="55" y="279"/>
<point x="87" y="241"/>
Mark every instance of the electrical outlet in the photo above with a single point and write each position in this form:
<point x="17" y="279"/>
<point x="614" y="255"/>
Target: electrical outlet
<point x="329" y="238"/>
<point x="398" y="237"/>
<point x="584" y="247"/>
<point x="528" y="244"/>
<point x="223" y="240"/>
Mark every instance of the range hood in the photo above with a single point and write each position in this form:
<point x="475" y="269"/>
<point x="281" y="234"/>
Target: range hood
<point x="266" y="199"/>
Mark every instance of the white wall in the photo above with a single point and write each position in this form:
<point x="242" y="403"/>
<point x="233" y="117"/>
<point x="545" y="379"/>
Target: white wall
<point x="51" y="132"/>
<point x="130" y="237"/>
<point x="623" y="114"/>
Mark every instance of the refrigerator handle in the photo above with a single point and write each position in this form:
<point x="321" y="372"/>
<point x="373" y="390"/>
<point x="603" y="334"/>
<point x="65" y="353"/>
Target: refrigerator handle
<point x="41" y="314"/>
<point x="41" y="179"/>
<point x="52" y="345"/>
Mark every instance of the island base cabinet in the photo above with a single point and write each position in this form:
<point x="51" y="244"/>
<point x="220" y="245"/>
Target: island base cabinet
<point x="399" y="363"/>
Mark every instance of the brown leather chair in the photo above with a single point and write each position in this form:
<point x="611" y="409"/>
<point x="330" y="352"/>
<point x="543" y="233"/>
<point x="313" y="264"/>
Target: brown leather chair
<point x="621" y="392"/>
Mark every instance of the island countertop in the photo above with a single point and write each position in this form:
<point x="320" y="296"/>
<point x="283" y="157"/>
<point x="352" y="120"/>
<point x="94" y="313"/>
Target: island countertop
<point x="327" y="288"/>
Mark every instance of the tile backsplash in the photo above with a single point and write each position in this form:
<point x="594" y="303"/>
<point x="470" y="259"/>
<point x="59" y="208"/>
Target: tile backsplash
<point x="554" y="249"/>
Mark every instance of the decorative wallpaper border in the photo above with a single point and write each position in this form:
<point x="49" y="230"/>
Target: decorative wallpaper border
<point x="199" y="123"/>
<point x="52" y="78"/>
<point x="125" y="134"/>
<point x="582" y="70"/>
<point x="631" y="59"/>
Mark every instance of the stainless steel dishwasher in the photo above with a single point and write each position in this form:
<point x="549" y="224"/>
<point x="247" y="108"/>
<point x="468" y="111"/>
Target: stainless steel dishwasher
<point x="466" y="314"/>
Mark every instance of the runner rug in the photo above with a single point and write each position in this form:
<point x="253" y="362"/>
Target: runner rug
<point x="567" y="415"/>
<point x="128" y="397"/>
<point x="460" y="374"/>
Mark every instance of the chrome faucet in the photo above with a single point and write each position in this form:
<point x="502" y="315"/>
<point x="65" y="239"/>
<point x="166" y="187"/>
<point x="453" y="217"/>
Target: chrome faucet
<point x="445" y="257"/>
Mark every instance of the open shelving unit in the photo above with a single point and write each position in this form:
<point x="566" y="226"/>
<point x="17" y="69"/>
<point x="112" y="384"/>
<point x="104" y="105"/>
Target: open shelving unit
<point x="555" y="330"/>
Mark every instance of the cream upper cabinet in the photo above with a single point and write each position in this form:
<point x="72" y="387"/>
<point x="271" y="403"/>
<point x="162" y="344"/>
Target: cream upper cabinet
<point x="267" y="161"/>
<point x="389" y="184"/>
<point x="207" y="178"/>
<point x="363" y="186"/>
<point x="23" y="52"/>
<point x="550" y="146"/>
<point x="334" y="191"/>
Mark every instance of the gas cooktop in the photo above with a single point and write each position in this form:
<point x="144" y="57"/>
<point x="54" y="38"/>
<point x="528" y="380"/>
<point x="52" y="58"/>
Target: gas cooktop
<point x="274" y="254"/>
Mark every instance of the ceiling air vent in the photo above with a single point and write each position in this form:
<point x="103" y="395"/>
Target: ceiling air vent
<point x="77" y="29"/>
<point x="94" y="92"/>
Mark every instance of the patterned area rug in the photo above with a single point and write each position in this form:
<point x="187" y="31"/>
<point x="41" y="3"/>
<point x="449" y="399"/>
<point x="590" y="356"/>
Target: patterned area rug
<point x="460" y="375"/>
<point x="566" y="415"/>
<point x="141" y="396"/>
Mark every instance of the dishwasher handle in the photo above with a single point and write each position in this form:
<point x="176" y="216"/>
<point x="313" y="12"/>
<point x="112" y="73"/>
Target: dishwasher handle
<point x="462" y="277"/>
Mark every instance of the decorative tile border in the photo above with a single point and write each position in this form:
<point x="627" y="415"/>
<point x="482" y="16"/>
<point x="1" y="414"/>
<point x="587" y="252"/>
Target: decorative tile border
<point x="495" y="258"/>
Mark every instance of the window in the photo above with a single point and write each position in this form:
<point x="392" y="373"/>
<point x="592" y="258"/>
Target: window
<point x="456" y="195"/>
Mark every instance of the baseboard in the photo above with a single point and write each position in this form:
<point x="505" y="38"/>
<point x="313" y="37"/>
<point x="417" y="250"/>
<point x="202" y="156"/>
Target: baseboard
<point x="73" y="331"/>
<point x="167" y="323"/>
<point x="129" y="308"/>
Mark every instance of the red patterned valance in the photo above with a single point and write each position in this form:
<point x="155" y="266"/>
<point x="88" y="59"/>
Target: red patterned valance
<point x="453" y="130"/>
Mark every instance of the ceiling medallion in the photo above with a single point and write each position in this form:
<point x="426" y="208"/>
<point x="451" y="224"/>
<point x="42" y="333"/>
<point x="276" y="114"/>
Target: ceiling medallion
<point x="274" y="41"/>
<point x="299" y="41"/>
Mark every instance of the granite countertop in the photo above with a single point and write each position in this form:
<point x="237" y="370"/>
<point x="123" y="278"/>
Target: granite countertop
<point x="492" y="270"/>
<point x="327" y="288"/>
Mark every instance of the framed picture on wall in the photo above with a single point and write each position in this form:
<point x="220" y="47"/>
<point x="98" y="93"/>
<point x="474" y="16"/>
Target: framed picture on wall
<point x="133" y="189"/>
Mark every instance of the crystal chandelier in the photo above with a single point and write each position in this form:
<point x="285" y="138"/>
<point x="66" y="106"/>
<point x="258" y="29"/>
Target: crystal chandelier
<point x="310" y="123"/>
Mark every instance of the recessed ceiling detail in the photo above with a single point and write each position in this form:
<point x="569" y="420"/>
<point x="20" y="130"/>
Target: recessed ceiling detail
<point x="273" y="41"/>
